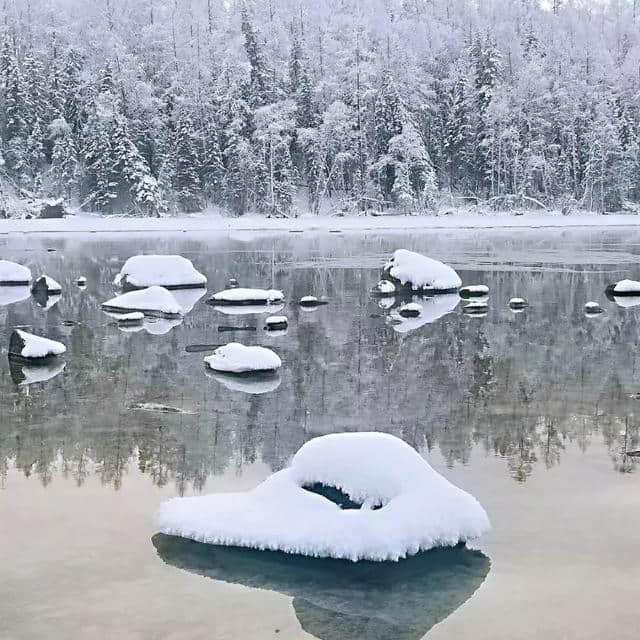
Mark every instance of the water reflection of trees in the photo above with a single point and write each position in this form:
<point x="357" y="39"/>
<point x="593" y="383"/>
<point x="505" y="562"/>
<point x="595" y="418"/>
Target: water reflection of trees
<point x="522" y="387"/>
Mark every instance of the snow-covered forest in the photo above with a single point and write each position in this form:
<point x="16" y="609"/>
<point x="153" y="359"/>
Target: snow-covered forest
<point x="288" y="106"/>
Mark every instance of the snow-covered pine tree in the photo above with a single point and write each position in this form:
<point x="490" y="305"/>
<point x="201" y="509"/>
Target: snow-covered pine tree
<point x="187" y="180"/>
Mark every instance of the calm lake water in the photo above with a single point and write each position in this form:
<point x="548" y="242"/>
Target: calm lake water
<point x="531" y="412"/>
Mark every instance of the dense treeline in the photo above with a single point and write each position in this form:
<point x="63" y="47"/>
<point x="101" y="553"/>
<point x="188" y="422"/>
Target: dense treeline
<point x="277" y="106"/>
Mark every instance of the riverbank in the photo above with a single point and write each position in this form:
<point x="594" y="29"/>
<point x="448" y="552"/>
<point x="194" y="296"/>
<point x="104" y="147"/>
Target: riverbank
<point x="206" y="223"/>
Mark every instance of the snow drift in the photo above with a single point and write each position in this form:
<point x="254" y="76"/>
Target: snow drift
<point x="405" y="506"/>
<point x="170" y="272"/>
<point x="417" y="272"/>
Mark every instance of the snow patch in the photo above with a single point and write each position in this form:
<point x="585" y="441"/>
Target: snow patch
<point x="420" y="509"/>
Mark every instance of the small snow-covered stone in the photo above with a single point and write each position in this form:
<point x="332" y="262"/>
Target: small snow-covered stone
<point x="384" y="287"/>
<point x="276" y="323"/>
<point x="170" y="272"/>
<point x="245" y="296"/>
<point x="46" y="286"/>
<point x="624" y="288"/>
<point x="29" y="346"/>
<point x="238" y="358"/>
<point x="474" y="291"/>
<point x="417" y="272"/>
<point x="593" y="309"/>
<point x="518" y="303"/>
<point x="81" y="282"/>
<point x="420" y="508"/>
<point x="410" y="310"/>
<point x="152" y="300"/>
<point x="13" y="274"/>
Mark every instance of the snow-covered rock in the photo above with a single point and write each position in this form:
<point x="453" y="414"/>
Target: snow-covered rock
<point x="474" y="291"/>
<point x="81" y="282"/>
<point x="518" y="303"/>
<point x="13" y="274"/>
<point x="311" y="302"/>
<point x="170" y="272"/>
<point x="417" y="272"/>
<point x="11" y="294"/>
<point x="46" y="286"/>
<point x="384" y="287"/>
<point x="400" y="505"/>
<point x="25" y="373"/>
<point x="250" y="383"/>
<point x="592" y="309"/>
<point x="624" y="288"/>
<point x="151" y="301"/>
<point x="410" y="310"/>
<point x="432" y="310"/>
<point x="29" y="346"/>
<point x="276" y="323"/>
<point x="238" y="358"/>
<point x="243" y="296"/>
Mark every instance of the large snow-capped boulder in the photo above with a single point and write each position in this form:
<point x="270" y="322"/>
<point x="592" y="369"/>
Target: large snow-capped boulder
<point x="357" y="496"/>
<point x="14" y="274"/>
<point x="150" y="301"/>
<point x="624" y="288"/>
<point x="415" y="272"/>
<point x="28" y="346"/>
<point x="244" y="296"/>
<point x="170" y="272"/>
<point x="238" y="358"/>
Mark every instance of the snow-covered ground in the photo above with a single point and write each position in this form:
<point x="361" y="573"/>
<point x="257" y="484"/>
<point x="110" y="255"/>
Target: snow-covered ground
<point x="420" y="508"/>
<point x="204" y="223"/>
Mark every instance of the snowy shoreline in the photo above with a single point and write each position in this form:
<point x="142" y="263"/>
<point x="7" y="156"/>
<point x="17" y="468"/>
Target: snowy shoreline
<point x="216" y="223"/>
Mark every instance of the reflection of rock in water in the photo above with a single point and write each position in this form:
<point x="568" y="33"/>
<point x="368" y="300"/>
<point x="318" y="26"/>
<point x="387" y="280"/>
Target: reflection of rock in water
<point x="255" y="383"/>
<point x="24" y="373"/>
<point x="339" y="599"/>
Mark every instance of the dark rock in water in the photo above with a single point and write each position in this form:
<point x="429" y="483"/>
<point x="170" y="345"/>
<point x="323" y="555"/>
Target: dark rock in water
<point x="311" y="301"/>
<point x="51" y="250"/>
<point x="409" y="312"/>
<point x="224" y="328"/>
<point x="276" y="326"/>
<point x="16" y="345"/>
<point x="53" y="209"/>
<point x="610" y="291"/>
<point x="633" y="454"/>
<point x="342" y="599"/>
<point x="201" y="348"/>
<point x="81" y="281"/>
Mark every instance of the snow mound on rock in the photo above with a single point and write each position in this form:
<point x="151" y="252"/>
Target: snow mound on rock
<point x="150" y="300"/>
<point x="13" y="273"/>
<point x="238" y="358"/>
<point x="242" y="295"/>
<point x="32" y="346"/>
<point x="419" y="272"/>
<point x="164" y="271"/>
<point x="419" y="508"/>
<point x="627" y="286"/>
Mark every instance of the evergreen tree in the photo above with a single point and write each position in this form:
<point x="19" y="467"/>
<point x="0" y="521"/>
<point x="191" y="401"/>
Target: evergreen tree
<point x="187" y="180"/>
<point x="64" y="161"/>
